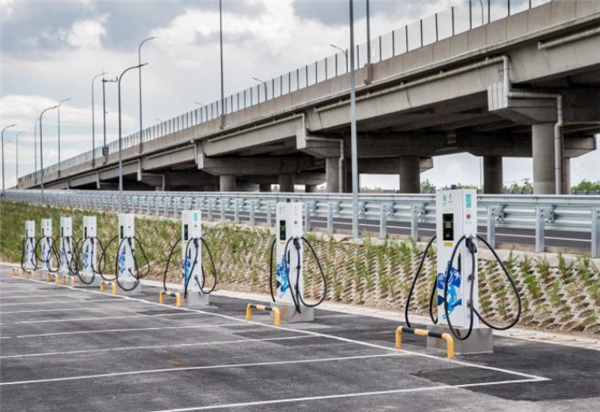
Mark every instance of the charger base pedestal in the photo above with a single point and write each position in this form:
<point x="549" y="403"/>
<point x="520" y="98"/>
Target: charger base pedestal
<point x="480" y="341"/>
<point x="195" y="299"/>
<point x="289" y="314"/>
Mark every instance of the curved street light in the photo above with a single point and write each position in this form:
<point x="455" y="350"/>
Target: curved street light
<point x="17" y="155"/>
<point x="60" y="104"/>
<point x="120" y="136"/>
<point x="264" y="83"/>
<point x="94" y="119"/>
<point x="42" y="150"/>
<point x="343" y="51"/>
<point x="2" y="138"/>
<point x="140" y="75"/>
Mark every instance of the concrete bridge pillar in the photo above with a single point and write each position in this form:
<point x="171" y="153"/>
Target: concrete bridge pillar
<point x="543" y="159"/>
<point x="332" y="173"/>
<point x="264" y="187"/>
<point x="227" y="183"/>
<point x="492" y="175"/>
<point x="410" y="174"/>
<point x="310" y="188"/>
<point x="286" y="182"/>
<point x="566" y="176"/>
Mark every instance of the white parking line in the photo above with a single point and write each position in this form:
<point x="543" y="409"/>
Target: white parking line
<point x="3" y="298"/>
<point x="93" y="319"/>
<point x="150" y="347"/>
<point x="347" y="395"/>
<point x="85" y="309"/>
<point x="207" y="367"/>
<point x="55" y="302"/>
<point x="338" y="338"/>
<point x="82" y="332"/>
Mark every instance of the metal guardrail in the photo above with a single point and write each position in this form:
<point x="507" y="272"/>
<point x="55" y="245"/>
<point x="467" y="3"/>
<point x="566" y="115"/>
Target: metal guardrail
<point x="537" y="213"/>
<point x="426" y="31"/>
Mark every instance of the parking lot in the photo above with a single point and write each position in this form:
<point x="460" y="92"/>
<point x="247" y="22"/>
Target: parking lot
<point x="74" y="349"/>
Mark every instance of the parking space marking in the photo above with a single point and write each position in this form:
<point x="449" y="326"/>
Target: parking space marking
<point x="81" y="309"/>
<point x="347" y="395"/>
<point x="150" y="347"/>
<point x="54" y="302"/>
<point x="2" y="298"/>
<point x="85" y="332"/>
<point x="338" y="338"/>
<point x="207" y="367"/>
<point x="26" y="322"/>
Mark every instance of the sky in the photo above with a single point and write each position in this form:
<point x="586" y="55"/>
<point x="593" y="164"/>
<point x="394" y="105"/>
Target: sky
<point x="51" y="50"/>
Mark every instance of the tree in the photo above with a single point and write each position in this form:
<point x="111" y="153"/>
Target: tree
<point x="427" y="187"/>
<point x="587" y="185"/>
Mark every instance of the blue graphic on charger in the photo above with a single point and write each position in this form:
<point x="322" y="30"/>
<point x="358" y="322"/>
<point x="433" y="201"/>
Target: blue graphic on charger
<point x="454" y="291"/>
<point x="85" y="258"/>
<point x="282" y="277"/>
<point x="122" y="262"/>
<point x="62" y="258"/>
<point x="187" y="267"/>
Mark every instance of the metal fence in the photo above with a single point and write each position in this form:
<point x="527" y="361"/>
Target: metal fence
<point x="419" y="34"/>
<point x="537" y="213"/>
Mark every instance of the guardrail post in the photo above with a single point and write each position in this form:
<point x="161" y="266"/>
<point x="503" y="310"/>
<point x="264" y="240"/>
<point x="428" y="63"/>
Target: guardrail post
<point x="309" y="208"/>
<point x="211" y="204"/>
<point x="270" y="207"/>
<point x="223" y="208"/>
<point x="384" y="211"/>
<point x="176" y="201"/>
<point x="595" y="233"/>
<point x="332" y="208"/>
<point x="417" y="210"/>
<point x="493" y="213"/>
<point x="542" y="215"/>
<point x="236" y="210"/>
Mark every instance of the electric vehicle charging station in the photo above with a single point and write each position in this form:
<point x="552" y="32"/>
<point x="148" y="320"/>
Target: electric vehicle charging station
<point x="127" y="271"/>
<point x="193" y="278"/>
<point x="455" y="297"/>
<point x="90" y="252"/>
<point x="456" y="217"/>
<point x="288" y="296"/>
<point x="66" y="245"/>
<point x="28" y="259"/>
<point x="47" y="244"/>
<point x="191" y="258"/>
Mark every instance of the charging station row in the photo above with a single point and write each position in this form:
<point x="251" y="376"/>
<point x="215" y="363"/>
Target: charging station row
<point x="454" y="303"/>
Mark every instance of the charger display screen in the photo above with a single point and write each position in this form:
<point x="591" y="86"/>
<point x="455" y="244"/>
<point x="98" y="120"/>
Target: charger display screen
<point x="448" y="227"/>
<point x="282" y="230"/>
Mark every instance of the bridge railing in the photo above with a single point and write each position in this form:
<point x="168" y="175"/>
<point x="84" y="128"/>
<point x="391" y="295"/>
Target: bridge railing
<point x="424" y="32"/>
<point x="526" y="216"/>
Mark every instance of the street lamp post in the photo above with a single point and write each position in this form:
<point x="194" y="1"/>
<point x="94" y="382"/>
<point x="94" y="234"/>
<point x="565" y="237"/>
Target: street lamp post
<point x="42" y="151"/>
<point x="35" y="156"/>
<point x="221" y="55"/>
<point x="482" y="12"/>
<point x="140" y="80"/>
<point x="353" y="132"/>
<point x="368" y="32"/>
<point x="60" y="104"/>
<point x="2" y="138"/>
<point x="94" y="119"/>
<point x="104" y="81"/>
<point x="139" y="66"/>
<point x="17" y="156"/>
<point x="343" y="51"/>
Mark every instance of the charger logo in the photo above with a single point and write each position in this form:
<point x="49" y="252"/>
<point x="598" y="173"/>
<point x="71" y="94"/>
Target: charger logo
<point x="454" y="290"/>
<point x="282" y="277"/>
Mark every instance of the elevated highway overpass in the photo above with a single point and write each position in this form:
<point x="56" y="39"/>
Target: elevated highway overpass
<point x="524" y="86"/>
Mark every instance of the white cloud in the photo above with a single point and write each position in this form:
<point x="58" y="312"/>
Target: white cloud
<point x="87" y="33"/>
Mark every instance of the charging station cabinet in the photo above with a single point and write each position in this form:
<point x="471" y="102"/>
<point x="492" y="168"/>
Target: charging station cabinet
<point x="30" y="240"/>
<point x="126" y="264"/>
<point x="89" y="252"/>
<point x="289" y="226"/>
<point x="66" y="244"/>
<point x="191" y="257"/>
<point x="456" y="216"/>
<point x="46" y="246"/>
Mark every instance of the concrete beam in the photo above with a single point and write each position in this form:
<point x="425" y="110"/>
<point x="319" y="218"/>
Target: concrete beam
<point x="305" y="178"/>
<point x="389" y="166"/>
<point x="169" y="158"/>
<point x="255" y="165"/>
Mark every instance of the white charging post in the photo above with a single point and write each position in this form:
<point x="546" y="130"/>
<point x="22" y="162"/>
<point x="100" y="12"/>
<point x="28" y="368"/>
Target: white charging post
<point x="29" y="263"/>
<point x="456" y="216"/>
<point x="191" y="257"/>
<point x="289" y="226"/>
<point x="66" y="244"/>
<point x="47" y="240"/>
<point x="89" y="257"/>
<point x="127" y="275"/>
